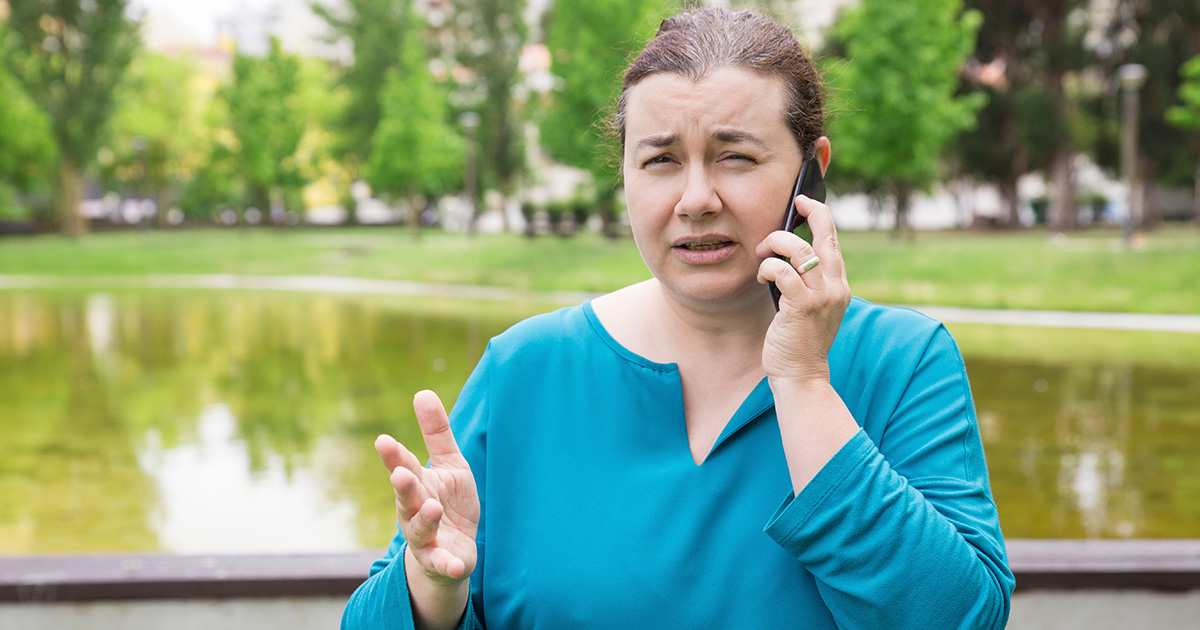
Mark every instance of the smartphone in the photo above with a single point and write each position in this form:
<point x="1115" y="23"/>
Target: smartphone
<point x="811" y="184"/>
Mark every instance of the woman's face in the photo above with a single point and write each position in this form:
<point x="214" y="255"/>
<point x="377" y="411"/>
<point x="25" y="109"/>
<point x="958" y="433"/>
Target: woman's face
<point x="708" y="170"/>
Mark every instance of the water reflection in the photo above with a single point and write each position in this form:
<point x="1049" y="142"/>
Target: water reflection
<point x="212" y="422"/>
<point x="234" y="422"/>
<point x="213" y="497"/>
<point x="1091" y="450"/>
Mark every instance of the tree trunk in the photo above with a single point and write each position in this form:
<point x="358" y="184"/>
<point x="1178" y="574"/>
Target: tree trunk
<point x="415" y="208"/>
<point x="1012" y="213"/>
<point x="606" y="205"/>
<point x="1148" y="208"/>
<point x="1063" y="213"/>
<point x="504" y="195"/>
<point x="903" y="201"/>
<point x="1196" y="199"/>
<point x="162" y="199"/>
<point x="67" y="199"/>
<point x="262" y="200"/>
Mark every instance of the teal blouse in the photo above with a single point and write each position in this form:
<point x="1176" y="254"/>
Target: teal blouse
<point x="594" y="514"/>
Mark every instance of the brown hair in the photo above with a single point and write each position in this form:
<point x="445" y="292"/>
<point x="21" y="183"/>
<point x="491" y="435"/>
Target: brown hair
<point x="695" y="42"/>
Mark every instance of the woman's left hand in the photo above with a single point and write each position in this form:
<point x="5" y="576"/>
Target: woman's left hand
<point x="811" y="304"/>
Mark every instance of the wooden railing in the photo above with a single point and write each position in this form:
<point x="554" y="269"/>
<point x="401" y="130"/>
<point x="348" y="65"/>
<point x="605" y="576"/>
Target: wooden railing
<point x="1165" y="565"/>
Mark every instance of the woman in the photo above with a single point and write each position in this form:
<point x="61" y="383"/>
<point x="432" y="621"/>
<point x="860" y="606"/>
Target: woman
<point x="679" y="454"/>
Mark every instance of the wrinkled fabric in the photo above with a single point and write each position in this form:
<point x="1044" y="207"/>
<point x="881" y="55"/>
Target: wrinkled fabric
<point x="595" y="515"/>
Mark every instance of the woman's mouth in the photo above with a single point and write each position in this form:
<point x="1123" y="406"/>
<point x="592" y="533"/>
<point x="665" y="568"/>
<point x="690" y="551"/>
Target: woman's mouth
<point x="704" y="250"/>
<point x="705" y="246"/>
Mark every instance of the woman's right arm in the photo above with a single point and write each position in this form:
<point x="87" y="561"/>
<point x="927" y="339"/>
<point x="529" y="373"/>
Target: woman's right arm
<point x="437" y="508"/>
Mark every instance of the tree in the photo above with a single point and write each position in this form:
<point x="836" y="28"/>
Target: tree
<point x="490" y="35"/>
<point x="415" y="150"/>
<point x="1012" y="136"/>
<point x="590" y="43"/>
<point x="1058" y="48"/>
<point x="375" y="30"/>
<point x="69" y="56"/>
<point x="900" y="86"/>
<point x="1161" y="35"/>
<point x="267" y="124"/>
<point x="27" y="152"/>
<point x="1186" y="115"/>
<point x="156" y="129"/>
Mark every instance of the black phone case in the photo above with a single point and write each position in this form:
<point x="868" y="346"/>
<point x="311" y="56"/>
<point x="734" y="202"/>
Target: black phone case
<point x="810" y="184"/>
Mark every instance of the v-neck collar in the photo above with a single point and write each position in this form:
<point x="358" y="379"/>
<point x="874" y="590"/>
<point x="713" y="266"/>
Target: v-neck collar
<point x="755" y="404"/>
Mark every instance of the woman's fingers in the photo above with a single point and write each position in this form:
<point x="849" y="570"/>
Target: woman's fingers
<point x="435" y="425"/>
<point x="798" y="252"/>
<point x="782" y="274"/>
<point x="421" y="537"/>
<point x="423" y="524"/>
<point x="395" y="454"/>
<point x="411" y="494"/>
<point x="825" y="241"/>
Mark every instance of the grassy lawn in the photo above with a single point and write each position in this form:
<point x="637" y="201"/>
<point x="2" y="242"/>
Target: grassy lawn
<point x="1089" y="270"/>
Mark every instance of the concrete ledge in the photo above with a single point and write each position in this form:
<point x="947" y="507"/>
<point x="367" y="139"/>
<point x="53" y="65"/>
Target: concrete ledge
<point x="1040" y="565"/>
<point x="1163" y="565"/>
<point x="96" y="577"/>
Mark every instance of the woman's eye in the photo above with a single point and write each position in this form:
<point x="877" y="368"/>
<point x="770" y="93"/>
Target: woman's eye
<point x="737" y="157"/>
<point x="658" y="159"/>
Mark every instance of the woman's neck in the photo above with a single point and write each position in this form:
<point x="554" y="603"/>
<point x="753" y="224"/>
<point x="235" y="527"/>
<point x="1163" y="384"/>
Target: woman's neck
<point x="739" y="323"/>
<point x="651" y="321"/>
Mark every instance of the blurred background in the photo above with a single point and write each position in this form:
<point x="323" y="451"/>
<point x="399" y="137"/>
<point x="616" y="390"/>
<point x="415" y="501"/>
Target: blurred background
<point x="238" y="235"/>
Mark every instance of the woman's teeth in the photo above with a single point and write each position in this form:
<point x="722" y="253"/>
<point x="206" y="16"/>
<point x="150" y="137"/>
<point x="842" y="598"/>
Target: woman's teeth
<point x="703" y="247"/>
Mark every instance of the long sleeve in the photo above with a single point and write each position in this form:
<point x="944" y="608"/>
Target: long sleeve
<point x="382" y="601"/>
<point x="899" y="528"/>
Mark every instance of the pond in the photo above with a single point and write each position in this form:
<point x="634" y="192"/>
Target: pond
<point x="235" y="422"/>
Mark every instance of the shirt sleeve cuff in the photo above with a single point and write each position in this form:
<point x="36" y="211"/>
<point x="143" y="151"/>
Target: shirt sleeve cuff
<point x="786" y="525"/>
<point x="469" y="621"/>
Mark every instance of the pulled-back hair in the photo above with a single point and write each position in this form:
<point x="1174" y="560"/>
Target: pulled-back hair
<point x="694" y="43"/>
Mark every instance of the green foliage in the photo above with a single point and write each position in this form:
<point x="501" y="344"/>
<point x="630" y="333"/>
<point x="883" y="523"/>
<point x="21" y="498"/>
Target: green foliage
<point x="897" y="94"/>
<point x="268" y="122"/>
<point x="1187" y="114"/>
<point x="492" y="33"/>
<point x="69" y="56"/>
<point x="590" y="44"/>
<point x="415" y="149"/>
<point x="375" y="30"/>
<point x="1170" y="36"/>
<point x="27" y="149"/>
<point x="156" y="128"/>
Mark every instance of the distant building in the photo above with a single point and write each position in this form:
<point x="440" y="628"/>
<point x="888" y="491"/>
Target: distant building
<point x="299" y="30"/>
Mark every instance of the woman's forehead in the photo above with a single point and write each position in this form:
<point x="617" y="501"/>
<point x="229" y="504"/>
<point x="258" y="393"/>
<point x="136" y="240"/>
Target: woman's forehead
<point x="726" y="97"/>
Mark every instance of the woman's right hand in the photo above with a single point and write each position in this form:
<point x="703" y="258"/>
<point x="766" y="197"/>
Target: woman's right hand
<point x="438" y="511"/>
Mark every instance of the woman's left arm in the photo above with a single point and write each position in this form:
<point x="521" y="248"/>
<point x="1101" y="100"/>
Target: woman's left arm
<point x="898" y="527"/>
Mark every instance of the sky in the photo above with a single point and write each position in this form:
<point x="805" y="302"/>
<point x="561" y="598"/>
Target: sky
<point x="200" y="17"/>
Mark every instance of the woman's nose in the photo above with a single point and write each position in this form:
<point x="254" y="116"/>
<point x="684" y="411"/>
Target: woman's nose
<point x="699" y="196"/>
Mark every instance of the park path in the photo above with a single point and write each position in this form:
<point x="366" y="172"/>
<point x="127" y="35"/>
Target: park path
<point x="369" y="286"/>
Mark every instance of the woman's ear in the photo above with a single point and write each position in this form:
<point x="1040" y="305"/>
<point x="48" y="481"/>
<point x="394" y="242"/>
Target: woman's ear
<point x="824" y="153"/>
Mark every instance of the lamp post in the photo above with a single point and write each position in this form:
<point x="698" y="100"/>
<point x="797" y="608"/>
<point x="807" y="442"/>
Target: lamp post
<point x="1131" y="76"/>
<point x="469" y="121"/>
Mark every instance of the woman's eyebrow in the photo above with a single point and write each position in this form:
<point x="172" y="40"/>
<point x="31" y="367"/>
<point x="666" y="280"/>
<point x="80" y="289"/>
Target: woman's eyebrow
<point x="736" y="136"/>
<point x="656" y="141"/>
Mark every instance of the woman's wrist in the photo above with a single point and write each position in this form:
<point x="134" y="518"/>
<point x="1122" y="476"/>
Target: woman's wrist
<point x="814" y="424"/>
<point x="436" y="604"/>
<point x="806" y="383"/>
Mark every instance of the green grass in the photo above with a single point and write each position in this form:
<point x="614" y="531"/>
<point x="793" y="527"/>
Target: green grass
<point x="1089" y="270"/>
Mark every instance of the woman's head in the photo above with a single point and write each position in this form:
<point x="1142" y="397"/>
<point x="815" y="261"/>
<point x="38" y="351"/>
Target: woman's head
<point x="695" y="43"/>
